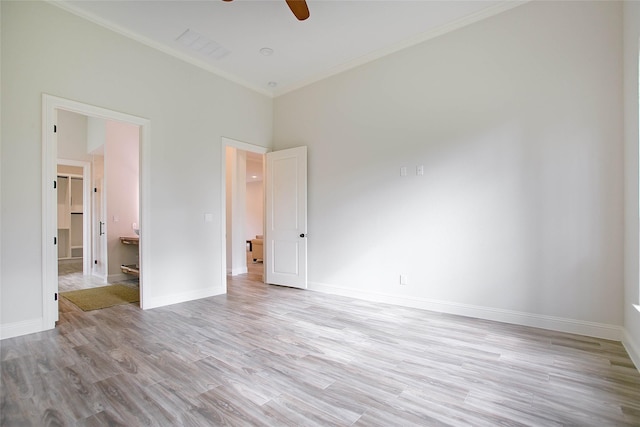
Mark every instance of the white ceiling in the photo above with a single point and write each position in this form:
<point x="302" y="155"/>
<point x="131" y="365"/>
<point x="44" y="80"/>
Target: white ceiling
<point x="338" y="35"/>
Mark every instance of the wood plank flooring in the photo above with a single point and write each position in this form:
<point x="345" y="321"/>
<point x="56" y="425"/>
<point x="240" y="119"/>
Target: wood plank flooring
<point x="271" y="356"/>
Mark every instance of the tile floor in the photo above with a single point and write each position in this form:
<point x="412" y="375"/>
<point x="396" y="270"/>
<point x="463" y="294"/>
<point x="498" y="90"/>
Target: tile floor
<point x="70" y="278"/>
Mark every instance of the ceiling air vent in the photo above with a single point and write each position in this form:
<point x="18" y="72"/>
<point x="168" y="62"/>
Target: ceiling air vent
<point x="203" y="45"/>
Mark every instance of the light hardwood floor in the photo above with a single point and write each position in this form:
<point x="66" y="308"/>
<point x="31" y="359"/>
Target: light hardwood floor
<point x="267" y="355"/>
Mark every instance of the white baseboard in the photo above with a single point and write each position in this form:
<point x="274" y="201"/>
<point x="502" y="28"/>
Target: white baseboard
<point x="237" y="270"/>
<point x="21" y="328"/>
<point x="37" y="325"/>
<point x="593" y="329"/>
<point x="165" y="300"/>
<point x="632" y="348"/>
<point x="119" y="277"/>
<point x="101" y="277"/>
<point x="69" y="260"/>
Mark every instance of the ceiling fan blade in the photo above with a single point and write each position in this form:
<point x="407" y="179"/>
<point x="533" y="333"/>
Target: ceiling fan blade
<point x="299" y="9"/>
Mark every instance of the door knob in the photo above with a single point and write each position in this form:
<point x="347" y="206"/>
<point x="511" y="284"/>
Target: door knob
<point x="303" y="235"/>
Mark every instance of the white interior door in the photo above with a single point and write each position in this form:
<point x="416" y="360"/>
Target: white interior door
<point x="285" y="243"/>
<point x="99" y="227"/>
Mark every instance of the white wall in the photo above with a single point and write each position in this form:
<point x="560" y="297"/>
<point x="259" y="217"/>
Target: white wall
<point x="96" y="135"/>
<point x="255" y="210"/>
<point x="230" y="162"/>
<point x="47" y="50"/>
<point x="518" y="217"/>
<point x="72" y="136"/>
<point x="631" y="279"/>
<point x="236" y="200"/>
<point x="122" y="185"/>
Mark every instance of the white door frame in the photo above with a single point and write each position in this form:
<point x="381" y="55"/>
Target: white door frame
<point x="87" y="211"/>
<point x="229" y="142"/>
<point x="50" y="104"/>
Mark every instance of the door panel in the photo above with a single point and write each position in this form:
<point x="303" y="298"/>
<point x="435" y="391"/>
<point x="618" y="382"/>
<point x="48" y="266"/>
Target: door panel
<point x="285" y="257"/>
<point x="286" y="217"/>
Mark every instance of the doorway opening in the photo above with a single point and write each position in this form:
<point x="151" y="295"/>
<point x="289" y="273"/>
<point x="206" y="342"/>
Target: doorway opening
<point x="98" y="208"/>
<point x="95" y="191"/>
<point x="243" y="174"/>
<point x="284" y="219"/>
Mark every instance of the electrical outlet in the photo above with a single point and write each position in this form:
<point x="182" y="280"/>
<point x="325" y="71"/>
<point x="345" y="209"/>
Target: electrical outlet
<point x="403" y="279"/>
<point x="403" y="171"/>
<point x="420" y="170"/>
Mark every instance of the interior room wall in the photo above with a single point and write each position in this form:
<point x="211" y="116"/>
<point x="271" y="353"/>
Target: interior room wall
<point x="255" y="209"/>
<point x="230" y="156"/>
<point x="47" y="50"/>
<point x="72" y="136"/>
<point x="518" y="215"/>
<point x="631" y="138"/>
<point x="96" y="135"/>
<point x="236" y="199"/>
<point x="239" y="243"/>
<point x="122" y="172"/>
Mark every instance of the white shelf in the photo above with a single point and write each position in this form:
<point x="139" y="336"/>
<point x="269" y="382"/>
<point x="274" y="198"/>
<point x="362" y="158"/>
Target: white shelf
<point x="133" y="269"/>
<point x="70" y="223"/>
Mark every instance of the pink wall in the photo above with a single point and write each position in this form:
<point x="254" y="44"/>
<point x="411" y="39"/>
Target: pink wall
<point x="122" y="165"/>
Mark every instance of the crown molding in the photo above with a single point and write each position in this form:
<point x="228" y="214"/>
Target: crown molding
<point x="501" y="7"/>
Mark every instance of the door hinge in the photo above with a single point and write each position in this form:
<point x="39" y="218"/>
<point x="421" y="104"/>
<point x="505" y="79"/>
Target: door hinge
<point x="55" y="129"/>
<point x="55" y="240"/>
<point x="95" y="261"/>
<point x="55" y="184"/>
<point x="55" y="296"/>
<point x="95" y="189"/>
